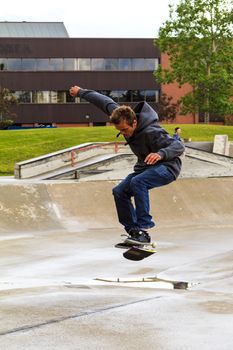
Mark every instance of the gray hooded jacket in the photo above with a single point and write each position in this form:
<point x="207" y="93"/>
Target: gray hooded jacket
<point x="149" y="136"/>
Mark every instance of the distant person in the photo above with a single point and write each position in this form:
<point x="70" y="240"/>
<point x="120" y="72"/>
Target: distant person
<point x="158" y="161"/>
<point x="177" y="133"/>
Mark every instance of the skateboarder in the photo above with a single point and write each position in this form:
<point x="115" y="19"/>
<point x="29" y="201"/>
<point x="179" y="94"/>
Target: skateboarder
<point x="158" y="161"/>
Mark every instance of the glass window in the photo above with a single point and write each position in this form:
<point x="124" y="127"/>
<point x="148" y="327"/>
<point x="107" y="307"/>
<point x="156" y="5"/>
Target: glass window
<point x="114" y="94"/>
<point x="151" y="64"/>
<point x="14" y="64"/>
<point x="16" y="94"/>
<point x="138" y="64"/>
<point x="111" y="63"/>
<point x="98" y="64"/>
<point x="142" y="95"/>
<point x="28" y="64"/>
<point x="57" y="96"/>
<point x="61" y="97"/>
<point x="137" y="96"/>
<point x="43" y="64"/>
<point x="3" y="63"/>
<point x="40" y="97"/>
<point x="125" y="64"/>
<point x="53" y="96"/>
<point x="56" y="64"/>
<point x="124" y="96"/>
<point x="84" y="64"/>
<point x="23" y="96"/>
<point x="152" y="95"/>
<point x="34" y="97"/>
<point x="69" y="63"/>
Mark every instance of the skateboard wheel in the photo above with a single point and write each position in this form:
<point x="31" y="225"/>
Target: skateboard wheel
<point x="154" y="245"/>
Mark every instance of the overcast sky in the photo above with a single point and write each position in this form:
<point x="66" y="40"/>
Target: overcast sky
<point x="94" y="18"/>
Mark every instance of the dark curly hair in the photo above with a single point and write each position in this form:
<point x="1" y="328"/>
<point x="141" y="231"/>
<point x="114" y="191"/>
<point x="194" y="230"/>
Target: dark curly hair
<point x="123" y="113"/>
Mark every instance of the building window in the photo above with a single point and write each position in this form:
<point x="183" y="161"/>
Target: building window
<point x="138" y="64"/>
<point x="125" y="64"/>
<point x="53" y="96"/>
<point x="119" y="96"/>
<point x="151" y="64"/>
<point x="114" y="94"/>
<point x="111" y="64"/>
<point x="72" y="64"/>
<point x="124" y="95"/>
<point x="40" y="97"/>
<point x="56" y="64"/>
<point x="137" y="95"/>
<point x="61" y="97"/>
<point x="57" y="97"/>
<point x="23" y="96"/>
<point x="43" y="64"/>
<point x="152" y="95"/>
<point x="29" y="64"/>
<point x="84" y="64"/>
<point x="14" y="64"/>
<point x="3" y="64"/>
<point x="69" y="63"/>
<point x="98" y="64"/>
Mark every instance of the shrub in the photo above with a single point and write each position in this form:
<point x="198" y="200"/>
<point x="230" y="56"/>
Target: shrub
<point x="5" y="123"/>
<point x="229" y="120"/>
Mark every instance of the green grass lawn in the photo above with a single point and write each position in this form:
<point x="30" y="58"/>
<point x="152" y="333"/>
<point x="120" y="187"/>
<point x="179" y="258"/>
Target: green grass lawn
<point x="19" y="145"/>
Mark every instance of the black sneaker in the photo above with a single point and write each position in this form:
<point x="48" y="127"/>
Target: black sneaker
<point x="138" y="236"/>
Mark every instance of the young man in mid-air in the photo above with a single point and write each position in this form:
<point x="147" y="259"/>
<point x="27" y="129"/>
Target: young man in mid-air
<point x="158" y="161"/>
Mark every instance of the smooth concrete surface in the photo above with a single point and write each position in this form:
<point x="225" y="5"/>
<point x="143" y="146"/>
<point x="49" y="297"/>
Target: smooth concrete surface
<point x="196" y="163"/>
<point x="56" y="238"/>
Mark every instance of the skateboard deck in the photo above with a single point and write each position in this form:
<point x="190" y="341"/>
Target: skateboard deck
<point x="136" y="251"/>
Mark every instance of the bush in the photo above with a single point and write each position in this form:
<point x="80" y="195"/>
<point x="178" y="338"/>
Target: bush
<point x="229" y="120"/>
<point x="4" y="124"/>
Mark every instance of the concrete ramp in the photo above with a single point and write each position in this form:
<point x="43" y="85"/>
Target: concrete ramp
<point x="70" y="162"/>
<point x="58" y="205"/>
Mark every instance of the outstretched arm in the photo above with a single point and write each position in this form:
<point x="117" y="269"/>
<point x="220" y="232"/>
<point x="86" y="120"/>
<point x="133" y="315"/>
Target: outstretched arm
<point x="105" y="103"/>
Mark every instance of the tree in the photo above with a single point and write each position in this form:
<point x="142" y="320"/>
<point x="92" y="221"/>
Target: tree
<point x="198" y="38"/>
<point x="165" y="108"/>
<point x="6" y="100"/>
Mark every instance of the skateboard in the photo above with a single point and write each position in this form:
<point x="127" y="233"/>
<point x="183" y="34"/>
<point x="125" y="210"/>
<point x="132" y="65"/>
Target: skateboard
<point x="136" y="251"/>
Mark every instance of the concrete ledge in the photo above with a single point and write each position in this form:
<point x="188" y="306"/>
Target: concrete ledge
<point x="63" y="158"/>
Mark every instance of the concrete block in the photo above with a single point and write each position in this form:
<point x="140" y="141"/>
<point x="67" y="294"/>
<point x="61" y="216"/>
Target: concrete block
<point x="221" y="145"/>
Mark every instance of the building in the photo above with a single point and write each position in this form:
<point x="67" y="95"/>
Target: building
<point x="39" y="63"/>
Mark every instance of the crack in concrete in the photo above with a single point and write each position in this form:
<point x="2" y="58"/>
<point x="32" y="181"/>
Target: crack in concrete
<point x="81" y="314"/>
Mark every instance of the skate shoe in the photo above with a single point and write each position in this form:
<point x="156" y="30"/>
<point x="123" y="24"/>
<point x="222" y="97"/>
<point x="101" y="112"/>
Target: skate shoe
<point x="138" y="236"/>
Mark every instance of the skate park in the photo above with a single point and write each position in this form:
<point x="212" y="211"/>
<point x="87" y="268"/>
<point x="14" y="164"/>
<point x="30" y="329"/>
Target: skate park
<point x="64" y="285"/>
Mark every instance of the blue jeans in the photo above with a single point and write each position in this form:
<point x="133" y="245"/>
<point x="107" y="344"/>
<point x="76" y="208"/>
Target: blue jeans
<point x="137" y="185"/>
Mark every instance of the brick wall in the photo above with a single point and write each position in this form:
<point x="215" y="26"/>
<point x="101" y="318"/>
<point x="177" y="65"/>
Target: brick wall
<point x="176" y="92"/>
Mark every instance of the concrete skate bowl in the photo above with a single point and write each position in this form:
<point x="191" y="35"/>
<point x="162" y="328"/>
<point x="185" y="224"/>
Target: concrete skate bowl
<point x="45" y="206"/>
<point x="63" y="282"/>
